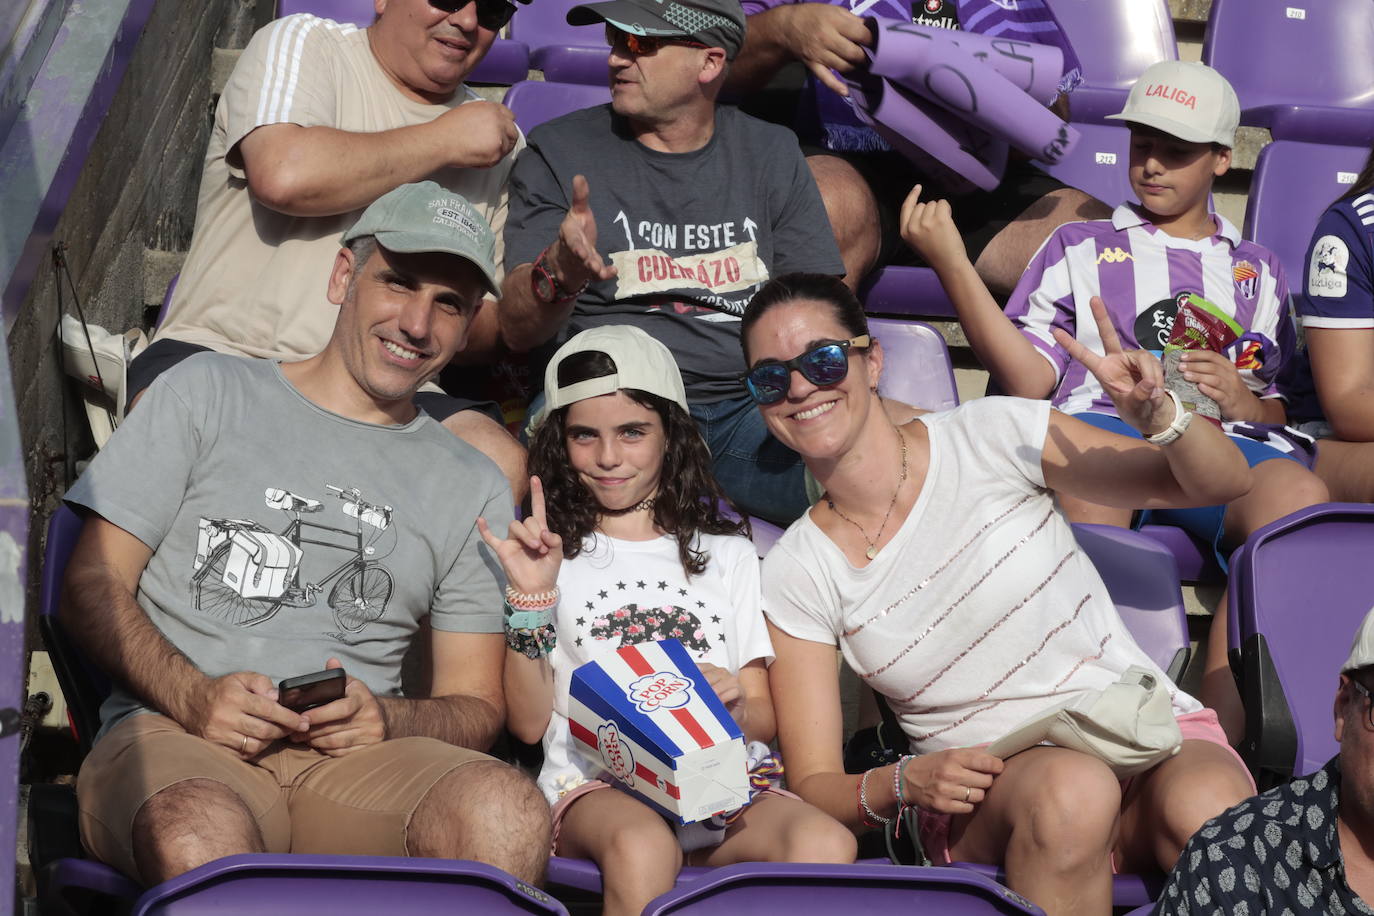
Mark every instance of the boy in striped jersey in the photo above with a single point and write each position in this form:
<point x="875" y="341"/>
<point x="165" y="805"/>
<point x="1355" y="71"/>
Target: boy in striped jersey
<point x="1142" y="263"/>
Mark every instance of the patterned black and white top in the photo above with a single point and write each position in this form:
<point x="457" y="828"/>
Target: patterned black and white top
<point x="1273" y="853"/>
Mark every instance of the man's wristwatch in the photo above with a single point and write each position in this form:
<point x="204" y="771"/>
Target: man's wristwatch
<point x="1182" y="420"/>
<point x="545" y="286"/>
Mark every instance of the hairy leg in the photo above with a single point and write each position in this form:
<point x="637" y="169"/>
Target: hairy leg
<point x="1005" y="258"/>
<point x="1167" y="805"/>
<point x="188" y="824"/>
<point x="637" y="852"/>
<point x="495" y="441"/>
<point x="1050" y="819"/>
<point x="1347" y="469"/>
<point x="1279" y="487"/>
<point x="853" y="213"/>
<point x="780" y="829"/>
<point x="488" y="811"/>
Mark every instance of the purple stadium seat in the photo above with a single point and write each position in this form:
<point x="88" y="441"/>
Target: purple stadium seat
<point x="916" y="364"/>
<point x="506" y="62"/>
<point x="1099" y="163"/>
<point x="1142" y="579"/>
<point x="905" y="291"/>
<point x="343" y="885"/>
<point x="566" y="53"/>
<point x="84" y="686"/>
<point x="535" y="102"/>
<point x="1293" y="183"/>
<point x="1299" y="588"/>
<point x="1196" y="561"/>
<point x="1127" y="890"/>
<point x="794" y="890"/>
<point x="1115" y="41"/>
<point x="1303" y="69"/>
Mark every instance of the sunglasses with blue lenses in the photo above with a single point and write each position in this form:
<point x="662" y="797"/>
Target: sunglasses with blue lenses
<point x="492" y="15"/>
<point x="826" y="363"/>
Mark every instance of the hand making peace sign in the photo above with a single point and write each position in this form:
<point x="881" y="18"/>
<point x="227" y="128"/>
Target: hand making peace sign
<point x="531" y="554"/>
<point x="1134" y="379"/>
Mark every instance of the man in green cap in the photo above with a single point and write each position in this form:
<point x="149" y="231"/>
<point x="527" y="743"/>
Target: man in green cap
<point x="296" y="518"/>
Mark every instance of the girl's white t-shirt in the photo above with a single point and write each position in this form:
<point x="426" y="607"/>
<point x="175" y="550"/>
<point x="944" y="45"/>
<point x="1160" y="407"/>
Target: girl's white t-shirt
<point x="981" y="611"/>
<point x="619" y="593"/>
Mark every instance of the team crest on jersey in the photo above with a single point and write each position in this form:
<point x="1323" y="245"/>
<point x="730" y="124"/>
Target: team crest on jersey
<point x="1114" y="256"/>
<point x="1246" y="277"/>
<point x="1326" y="272"/>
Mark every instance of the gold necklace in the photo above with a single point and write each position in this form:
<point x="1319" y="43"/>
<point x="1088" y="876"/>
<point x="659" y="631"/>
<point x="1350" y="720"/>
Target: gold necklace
<point x="872" y="550"/>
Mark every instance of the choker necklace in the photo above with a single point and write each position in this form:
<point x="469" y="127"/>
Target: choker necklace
<point x="872" y="550"/>
<point x="644" y="504"/>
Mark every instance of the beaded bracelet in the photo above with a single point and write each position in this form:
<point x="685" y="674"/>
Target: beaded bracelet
<point x="537" y="601"/>
<point x="899" y="790"/>
<point x="869" y="816"/>
<point x="535" y="643"/>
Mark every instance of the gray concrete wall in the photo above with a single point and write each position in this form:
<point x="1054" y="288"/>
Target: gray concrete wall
<point x="137" y="191"/>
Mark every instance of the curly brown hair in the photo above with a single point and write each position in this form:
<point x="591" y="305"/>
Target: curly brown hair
<point x="689" y="500"/>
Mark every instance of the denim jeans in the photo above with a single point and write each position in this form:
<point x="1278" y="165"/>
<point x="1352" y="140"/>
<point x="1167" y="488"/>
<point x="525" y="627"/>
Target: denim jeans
<point x="764" y="477"/>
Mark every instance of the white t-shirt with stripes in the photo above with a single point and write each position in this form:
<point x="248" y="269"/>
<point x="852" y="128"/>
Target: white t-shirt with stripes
<point x="981" y="611"/>
<point x="254" y="282"/>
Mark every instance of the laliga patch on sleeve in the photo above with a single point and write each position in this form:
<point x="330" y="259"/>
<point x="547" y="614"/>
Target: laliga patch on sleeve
<point x="1326" y="272"/>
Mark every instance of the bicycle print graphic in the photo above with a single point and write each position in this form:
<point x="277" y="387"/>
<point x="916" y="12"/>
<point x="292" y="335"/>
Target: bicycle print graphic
<point x="245" y="573"/>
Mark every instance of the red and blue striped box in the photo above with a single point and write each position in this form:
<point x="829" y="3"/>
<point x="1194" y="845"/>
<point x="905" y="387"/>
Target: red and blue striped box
<point x="648" y="717"/>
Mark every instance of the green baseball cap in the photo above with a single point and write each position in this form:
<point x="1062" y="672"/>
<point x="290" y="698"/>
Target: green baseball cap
<point x="424" y="216"/>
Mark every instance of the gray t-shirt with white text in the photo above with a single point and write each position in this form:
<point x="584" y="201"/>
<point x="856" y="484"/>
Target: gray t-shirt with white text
<point x="693" y="235"/>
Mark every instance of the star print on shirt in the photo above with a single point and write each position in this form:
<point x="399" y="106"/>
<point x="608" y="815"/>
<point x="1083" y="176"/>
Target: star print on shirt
<point x="590" y="606"/>
<point x="639" y="584"/>
<point x="701" y="604"/>
<point x="662" y="585"/>
<point x="577" y="641"/>
<point x="715" y="618"/>
<point x="582" y="621"/>
<point x="721" y="637"/>
<point x="682" y="592"/>
<point x="601" y="594"/>
<point x="620" y="585"/>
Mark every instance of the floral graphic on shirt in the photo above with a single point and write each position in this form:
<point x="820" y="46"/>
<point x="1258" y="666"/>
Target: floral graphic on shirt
<point x="634" y="624"/>
<point x="244" y="572"/>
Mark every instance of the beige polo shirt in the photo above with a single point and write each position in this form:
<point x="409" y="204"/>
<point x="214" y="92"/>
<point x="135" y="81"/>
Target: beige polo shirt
<point x="255" y="280"/>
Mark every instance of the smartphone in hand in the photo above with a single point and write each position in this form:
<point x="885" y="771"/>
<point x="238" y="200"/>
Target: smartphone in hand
<point x="310" y="690"/>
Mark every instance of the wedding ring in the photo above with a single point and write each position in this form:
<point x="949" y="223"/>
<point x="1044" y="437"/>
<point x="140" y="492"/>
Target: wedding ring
<point x="244" y="746"/>
<point x="968" y="790"/>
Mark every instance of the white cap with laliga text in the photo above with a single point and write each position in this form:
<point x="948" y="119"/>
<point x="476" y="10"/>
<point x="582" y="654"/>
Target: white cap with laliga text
<point x="1362" y="652"/>
<point x="1185" y="99"/>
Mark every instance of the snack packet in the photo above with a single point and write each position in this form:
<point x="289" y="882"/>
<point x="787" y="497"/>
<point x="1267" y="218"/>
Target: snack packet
<point x="1199" y="325"/>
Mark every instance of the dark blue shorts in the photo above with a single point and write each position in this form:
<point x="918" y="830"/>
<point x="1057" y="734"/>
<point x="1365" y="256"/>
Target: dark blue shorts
<point x="1206" y="523"/>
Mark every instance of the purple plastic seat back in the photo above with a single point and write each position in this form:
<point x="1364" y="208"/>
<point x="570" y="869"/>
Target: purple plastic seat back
<point x="1299" y="588"/>
<point x="1115" y="41"/>
<point x="1196" y="561"/>
<point x="916" y="364"/>
<point x="792" y="889"/>
<point x="1099" y="163"/>
<point x="905" y="291"/>
<point x="506" y="62"/>
<point x="1293" y="184"/>
<point x="566" y="53"/>
<point x="84" y="686"/>
<point x="1127" y="890"/>
<point x="535" y="102"/>
<point x="343" y="886"/>
<point x="1302" y="68"/>
<point x="1142" y="579"/>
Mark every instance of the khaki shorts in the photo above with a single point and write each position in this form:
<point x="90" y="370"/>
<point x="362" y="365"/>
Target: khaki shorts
<point x="303" y="801"/>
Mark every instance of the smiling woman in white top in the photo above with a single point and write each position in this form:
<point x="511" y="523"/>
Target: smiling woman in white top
<point x="939" y="565"/>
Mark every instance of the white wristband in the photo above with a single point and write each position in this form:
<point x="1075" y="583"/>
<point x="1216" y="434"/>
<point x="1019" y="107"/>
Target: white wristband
<point x="1182" y="420"/>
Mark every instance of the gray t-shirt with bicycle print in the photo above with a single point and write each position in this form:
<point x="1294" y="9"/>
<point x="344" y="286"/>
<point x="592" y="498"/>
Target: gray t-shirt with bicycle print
<point x="283" y="534"/>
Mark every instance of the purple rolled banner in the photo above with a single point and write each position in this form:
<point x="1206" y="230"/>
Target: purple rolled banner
<point x="904" y="49"/>
<point x="937" y="141"/>
<point x="933" y="66"/>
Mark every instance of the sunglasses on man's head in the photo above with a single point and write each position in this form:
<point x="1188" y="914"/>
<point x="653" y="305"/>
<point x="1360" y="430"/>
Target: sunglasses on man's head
<point x="492" y="15"/>
<point x="824" y="364"/>
<point x="644" y="45"/>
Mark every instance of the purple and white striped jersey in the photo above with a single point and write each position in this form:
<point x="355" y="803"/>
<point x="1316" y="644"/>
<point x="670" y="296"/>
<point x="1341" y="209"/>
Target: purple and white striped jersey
<point x="1142" y="273"/>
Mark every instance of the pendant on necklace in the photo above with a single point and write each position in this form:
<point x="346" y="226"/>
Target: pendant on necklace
<point x="871" y="552"/>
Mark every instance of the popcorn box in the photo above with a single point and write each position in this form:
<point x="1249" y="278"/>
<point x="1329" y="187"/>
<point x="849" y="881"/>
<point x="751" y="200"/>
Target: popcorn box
<point x="646" y="715"/>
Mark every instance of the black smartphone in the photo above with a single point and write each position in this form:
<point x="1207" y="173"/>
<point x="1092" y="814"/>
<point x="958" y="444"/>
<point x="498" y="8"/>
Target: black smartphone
<point x="310" y="690"/>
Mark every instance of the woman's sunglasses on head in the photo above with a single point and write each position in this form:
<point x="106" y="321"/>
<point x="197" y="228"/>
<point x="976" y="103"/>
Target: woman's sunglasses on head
<point x="824" y="364"/>
<point x="492" y="15"/>
<point x="643" y="45"/>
